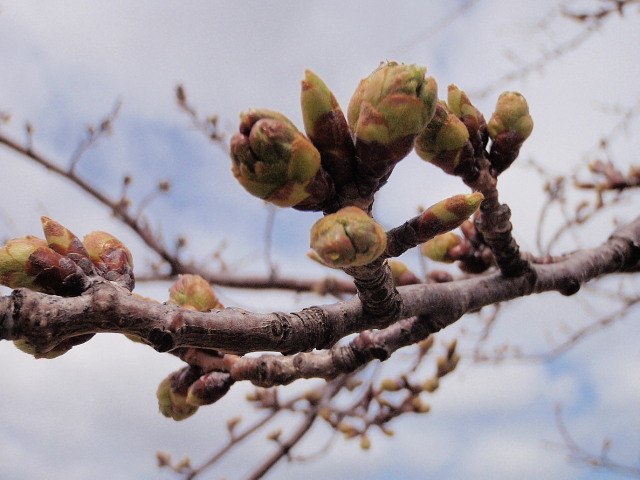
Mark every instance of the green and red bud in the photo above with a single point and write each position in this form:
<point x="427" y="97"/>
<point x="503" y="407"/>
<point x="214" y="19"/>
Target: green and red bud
<point x="110" y="257"/>
<point x="438" y="249"/>
<point x="63" y="241"/>
<point x="445" y="142"/>
<point x="209" y="388"/>
<point x="327" y="128"/>
<point x="401" y="274"/>
<point x="272" y="160"/>
<point x="172" y="394"/>
<point x="348" y="238"/>
<point x="509" y="126"/>
<point x="28" y="262"/>
<point x="394" y="102"/>
<point x="194" y="293"/>
<point x="460" y="105"/>
<point x="388" y="109"/>
<point x="447" y="214"/>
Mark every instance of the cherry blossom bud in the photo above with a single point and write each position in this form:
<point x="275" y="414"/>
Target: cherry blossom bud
<point x="437" y="249"/>
<point x="447" y="214"/>
<point x="194" y="293"/>
<point x="28" y="262"/>
<point x="445" y="142"/>
<point x="509" y="126"/>
<point x="209" y="388"/>
<point x="348" y="238"/>
<point x="110" y="257"/>
<point x="401" y="274"/>
<point x="63" y="241"/>
<point x="172" y="394"/>
<point x="272" y="160"/>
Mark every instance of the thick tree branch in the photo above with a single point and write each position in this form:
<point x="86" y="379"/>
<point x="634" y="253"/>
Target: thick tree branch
<point x="45" y="321"/>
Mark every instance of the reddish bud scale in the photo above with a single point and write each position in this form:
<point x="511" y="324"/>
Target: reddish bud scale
<point x="172" y="393"/>
<point x="209" y="388"/>
<point x="55" y="274"/>
<point x="505" y="148"/>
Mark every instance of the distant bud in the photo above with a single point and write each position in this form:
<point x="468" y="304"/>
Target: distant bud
<point x="194" y="293"/>
<point x="272" y="160"/>
<point x="509" y="126"/>
<point x="28" y="262"/>
<point x="439" y="276"/>
<point x="401" y="274"/>
<point x="348" y="238"/>
<point x="445" y="142"/>
<point x="437" y="249"/>
<point x="431" y="384"/>
<point x="111" y="258"/>
<point x="390" y="385"/>
<point x="419" y="406"/>
<point x="209" y="388"/>
<point x="365" y="442"/>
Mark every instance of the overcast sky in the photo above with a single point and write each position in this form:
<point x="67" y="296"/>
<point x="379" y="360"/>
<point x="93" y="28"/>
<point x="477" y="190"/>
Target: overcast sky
<point x="93" y="413"/>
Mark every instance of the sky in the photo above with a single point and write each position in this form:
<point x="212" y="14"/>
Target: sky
<point x="93" y="413"/>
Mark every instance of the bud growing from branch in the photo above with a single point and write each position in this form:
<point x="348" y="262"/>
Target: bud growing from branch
<point x="172" y="394"/>
<point x="28" y="262"/>
<point x="388" y="109"/>
<point x="327" y="128"/>
<point x="401" y="274"/>
<point x="437" y="249"/>
<point x="110" y="257"/>
<point x="445" y="142"/>
<point x="446" y="215"/>
<point x="209" y="388"/>
<point x="194" y="293"/>
<point x="272" y="160"/>
<point x="63" y="241"/>
<point x="460" y="105"/>
<point x="509" y="126"/>
<point x="348" y="238"/>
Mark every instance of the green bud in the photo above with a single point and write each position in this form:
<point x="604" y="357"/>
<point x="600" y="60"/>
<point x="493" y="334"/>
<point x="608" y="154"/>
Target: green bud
<point x="172" y="394"/>
<point x="445" y="141"/>
<point x="394" y="102"/>
<point x="194" y="293"/>
<point x="272" y="160"/>
<point x="209" y="388"/>
<point x="511" y="113"/>
<point x="437" y="249"/>
<point x="460" y="105"/>
<point x="401" y="274"/>
<point x="348" y="238"/>
<point x="110" y="257"/>
<point x="509" y="126"/>
<point x="327" y="128"/>
<point x="446" y="215"/>
<point x="29" y="263"/>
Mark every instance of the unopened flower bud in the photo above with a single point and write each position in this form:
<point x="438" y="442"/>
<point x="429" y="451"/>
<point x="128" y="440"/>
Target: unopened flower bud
<point x="509" y="126"/>
<point x="388" y="109"/>
<point x="61" y="240"/>
<point x="209" y="388"/>
<point x="194" y="293"/>
<point x="327" y="128"/>
<point x="110" y="257"/>
<point x="272" y="160"/>
<point x="348" y="238"/>
<point x="437" y="249"/>
<point x="172" y="394"/>
<point x="447" y="214"/>
<point x="460" y="105"/>
<point x="401" y="274"/>
<point x="390" y="384"/>
<point x="28" y="262"/>
<point x="445" y="142"/>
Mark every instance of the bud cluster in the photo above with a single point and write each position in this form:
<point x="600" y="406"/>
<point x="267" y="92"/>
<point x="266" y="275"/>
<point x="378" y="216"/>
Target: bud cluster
<point x="61" y="264"/>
